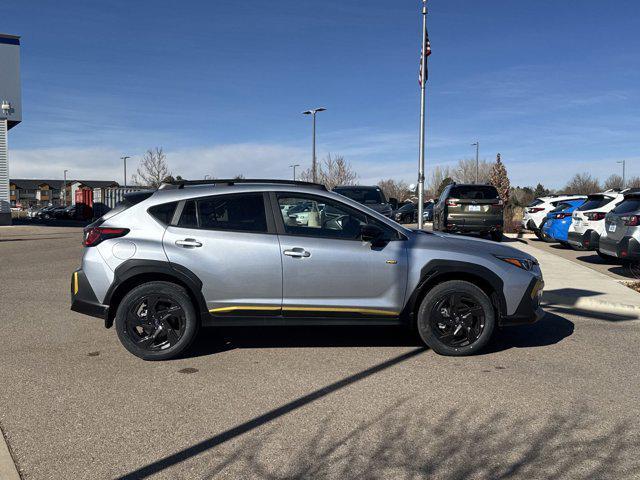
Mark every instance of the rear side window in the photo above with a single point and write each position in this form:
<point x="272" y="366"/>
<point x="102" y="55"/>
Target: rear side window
<point x="628" y="205"/>
<point x="164" y="212"/>
<point x="242" y="212"/>
<point x="474" y="192"/>
<point x="536" y="202"/>
<point x="595" y="202"/>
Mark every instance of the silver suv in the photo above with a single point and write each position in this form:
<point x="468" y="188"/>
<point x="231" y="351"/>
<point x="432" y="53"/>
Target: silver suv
<point x="268" y="252"/>
<point x="621" y="237"/>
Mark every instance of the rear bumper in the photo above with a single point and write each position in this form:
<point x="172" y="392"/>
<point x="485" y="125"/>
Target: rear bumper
<point x="628" y="248"/>
<point x="83" y="299"/>
<point x="529" y="310"/>
<point x="473" y="225"/>
<point x="588" y="240"/>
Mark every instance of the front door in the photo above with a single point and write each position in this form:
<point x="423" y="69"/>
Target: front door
<point x="227" y="242"/>
<point x="328" y="271"/>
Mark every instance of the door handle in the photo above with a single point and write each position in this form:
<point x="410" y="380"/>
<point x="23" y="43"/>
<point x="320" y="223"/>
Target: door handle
<point x="188" y="243"/>
<point x="297" y="253"/>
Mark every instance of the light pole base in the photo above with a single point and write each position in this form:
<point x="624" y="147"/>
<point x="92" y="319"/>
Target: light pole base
<point x="5" y="219"/>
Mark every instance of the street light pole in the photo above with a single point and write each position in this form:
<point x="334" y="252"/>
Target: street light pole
<point x="294" y="170"/>
<point x="65" y="187"/>
<point x="124" y="159"/>
<point x="477" y="145"/>
<point x="624" y="179"/>
<point x="313" y="112"/>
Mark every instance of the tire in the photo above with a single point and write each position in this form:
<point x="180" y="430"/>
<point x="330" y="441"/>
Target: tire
<point x="169" y="332"/>
<point x="434" y="328"/>
<point x="496" y="236"/>
<point x="538" y="233"/>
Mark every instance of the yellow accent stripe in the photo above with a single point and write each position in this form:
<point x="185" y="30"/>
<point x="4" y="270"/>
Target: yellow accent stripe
<point x="242" y="307"/>
<point x="371" y="311"/>
<point x="75" y="283"/>
<point x="341" y="309"/>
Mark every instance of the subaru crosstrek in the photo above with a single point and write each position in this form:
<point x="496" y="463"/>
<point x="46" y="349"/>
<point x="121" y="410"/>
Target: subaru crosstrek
<point x="535" y="214"/>
<point x="588" y="219"/>
<point x="621" y="236"/>
<point x="556" y="228"/>
<point x="239" y="252"/>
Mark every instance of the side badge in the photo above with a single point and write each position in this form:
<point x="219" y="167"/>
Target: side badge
<point x="392" y="262"/>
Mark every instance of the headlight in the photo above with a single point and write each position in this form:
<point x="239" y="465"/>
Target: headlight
<point x="523" y="263"/>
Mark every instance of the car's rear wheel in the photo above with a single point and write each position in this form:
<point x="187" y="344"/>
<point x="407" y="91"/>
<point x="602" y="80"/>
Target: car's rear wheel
<point x="156" y="321"/>
<point x="456" y="318"/>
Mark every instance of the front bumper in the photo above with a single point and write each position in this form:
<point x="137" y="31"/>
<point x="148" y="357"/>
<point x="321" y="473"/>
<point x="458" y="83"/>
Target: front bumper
<point x="83" y="299"/>
<point x="529" y="310"/>
<point x="626" y="249"/>
<point x="588" y="240"/>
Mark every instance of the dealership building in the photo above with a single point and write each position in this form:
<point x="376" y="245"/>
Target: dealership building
<point x="10" y="113"/>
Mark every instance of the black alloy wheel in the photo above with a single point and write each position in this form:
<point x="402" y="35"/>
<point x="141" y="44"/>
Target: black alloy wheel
<point x="156" y="321"/>
<point x="456" y="318"/>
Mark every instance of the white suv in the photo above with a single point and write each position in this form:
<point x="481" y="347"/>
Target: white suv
<point x="535" y="213"/>
<point x="588" y="219"/>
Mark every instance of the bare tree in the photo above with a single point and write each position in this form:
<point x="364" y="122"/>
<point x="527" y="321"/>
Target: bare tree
<point x="465" y="171"/>
<point x="395" y="189"/>
<point x="334" y="170"/>
<point x="614" y="181"/>
<point x="438" y="174"/>
<point x="153" y="168"/>
<point x="633" y="182"/>
<point x="582" y="183"/>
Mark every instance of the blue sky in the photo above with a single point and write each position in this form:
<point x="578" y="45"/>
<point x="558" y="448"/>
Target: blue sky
<point x="554" y="86"/>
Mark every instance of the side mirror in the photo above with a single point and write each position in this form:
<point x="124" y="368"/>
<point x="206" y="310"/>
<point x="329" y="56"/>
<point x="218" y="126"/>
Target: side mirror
<point x="373" y="234"/>
<point x="394" y="203"/>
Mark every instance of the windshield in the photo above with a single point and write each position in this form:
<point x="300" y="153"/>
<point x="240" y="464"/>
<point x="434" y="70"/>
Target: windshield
<point x="368" y="196"/>
<point x="594" y="201"/>
<point x="629" y="205"/>
<point x="474" y="192"/>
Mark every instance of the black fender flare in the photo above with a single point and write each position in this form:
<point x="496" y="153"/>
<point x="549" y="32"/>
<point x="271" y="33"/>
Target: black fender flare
<point x="436" y="271"/>
<point x="138" y="267"/>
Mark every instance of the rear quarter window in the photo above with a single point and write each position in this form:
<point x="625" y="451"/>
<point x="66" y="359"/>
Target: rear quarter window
<point x="164" y="212"/>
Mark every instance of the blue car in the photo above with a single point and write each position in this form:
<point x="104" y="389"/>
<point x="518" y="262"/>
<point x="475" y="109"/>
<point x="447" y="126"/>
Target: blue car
<point x="556" y="226"/>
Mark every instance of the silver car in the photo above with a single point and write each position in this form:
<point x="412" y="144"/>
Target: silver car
<point x="249" y="252"/>
<point x="621" y="237"/>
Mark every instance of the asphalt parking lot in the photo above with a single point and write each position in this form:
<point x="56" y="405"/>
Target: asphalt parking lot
<point x="558" y="399"/>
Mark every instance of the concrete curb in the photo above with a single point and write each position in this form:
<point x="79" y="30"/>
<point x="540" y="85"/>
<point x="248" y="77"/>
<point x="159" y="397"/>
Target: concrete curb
<point x="8" y="469"/>
<point x="593" y="304"/>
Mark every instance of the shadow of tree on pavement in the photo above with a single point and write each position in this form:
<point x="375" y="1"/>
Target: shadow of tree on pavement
<point x="403" y="443"/>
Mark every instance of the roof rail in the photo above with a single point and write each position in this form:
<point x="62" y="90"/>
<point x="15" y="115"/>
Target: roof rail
<point x="180" y="184"/>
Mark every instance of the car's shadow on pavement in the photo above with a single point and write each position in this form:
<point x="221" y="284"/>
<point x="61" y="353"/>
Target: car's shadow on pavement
<point x="551" y="329"/>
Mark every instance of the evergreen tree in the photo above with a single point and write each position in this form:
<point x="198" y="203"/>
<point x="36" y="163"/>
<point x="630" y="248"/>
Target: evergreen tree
<point x="540" y="191"/>
<point x="500" y="180"/>
<point x="446" y="181"/>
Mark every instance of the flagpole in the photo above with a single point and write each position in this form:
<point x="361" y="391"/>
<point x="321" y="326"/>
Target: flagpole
<point x="423" y="83"/>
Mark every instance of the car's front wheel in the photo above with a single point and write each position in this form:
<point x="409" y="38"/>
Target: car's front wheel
<point x="456" y="318"/>
<point x="156" y="321"/>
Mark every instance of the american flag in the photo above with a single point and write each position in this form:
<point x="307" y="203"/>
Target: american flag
<point x="426" y="54"/>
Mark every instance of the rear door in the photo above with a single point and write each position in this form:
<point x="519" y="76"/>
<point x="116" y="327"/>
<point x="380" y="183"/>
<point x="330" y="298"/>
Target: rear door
<point x="328" y="271"/>
<point x="230" y="243"/>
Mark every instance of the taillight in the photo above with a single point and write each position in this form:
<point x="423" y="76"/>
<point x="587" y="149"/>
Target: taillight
<point x="452" y="202"/>
<point x="595" y="215"/>
<point x="562" y="215"/>
<point x="94" y="235"/>
<point x="632" y="221"/>
<point x="535" y="210"/>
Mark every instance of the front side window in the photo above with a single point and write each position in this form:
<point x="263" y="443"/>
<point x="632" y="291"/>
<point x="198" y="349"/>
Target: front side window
<point x="242" y="212"/>
<point x="321" y="217"/>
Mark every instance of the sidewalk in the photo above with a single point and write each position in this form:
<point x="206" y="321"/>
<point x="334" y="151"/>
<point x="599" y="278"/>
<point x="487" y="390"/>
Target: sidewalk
<point x="570" y="286"/>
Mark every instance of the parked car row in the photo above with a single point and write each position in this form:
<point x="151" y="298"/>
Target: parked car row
<point x="52" y="211"/>
<point x="607" y="222"/>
